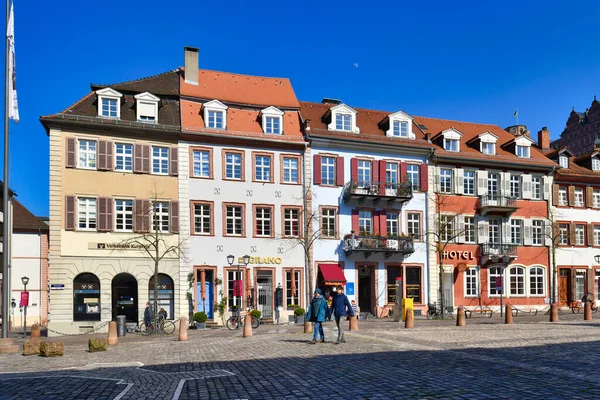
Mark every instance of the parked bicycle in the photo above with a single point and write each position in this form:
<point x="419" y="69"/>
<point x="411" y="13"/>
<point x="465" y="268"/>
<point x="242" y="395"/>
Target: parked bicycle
<point x="161" y="327"/>
<point x="433" y="312"/>
<point x="232" y="322"/>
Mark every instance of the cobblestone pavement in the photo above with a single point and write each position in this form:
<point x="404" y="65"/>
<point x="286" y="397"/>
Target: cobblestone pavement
<point x="531" y="359"/>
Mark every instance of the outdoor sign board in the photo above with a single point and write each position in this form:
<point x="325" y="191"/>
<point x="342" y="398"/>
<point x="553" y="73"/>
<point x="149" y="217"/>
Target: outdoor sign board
<point x="24" y="299"/>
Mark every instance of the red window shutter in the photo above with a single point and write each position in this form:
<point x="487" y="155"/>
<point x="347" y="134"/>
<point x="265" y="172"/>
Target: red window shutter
<point x="102" y="155"/>
<point x="173" y="166"/>
<point x="146" y="159"/>
<point x="174" y="216"/>
<point x="403" y="174"/>
<point x="70" y="159"/>
<point x="137" y="159"/>
<point x="376" y="227"/>
<point x="354" y="170"/>
<point x="382" y="176"/>
<point x="355" y="221"/>
<point x="423" y="178"/>
<point x="375" y="171"/>
<point x="138" y="212"/>
<point x="70" y="213"/>
<point x="383" y="223"/>
<point x="317" y="169"/>
<point x="339" y="171"/>
<point x="109" y="160"/>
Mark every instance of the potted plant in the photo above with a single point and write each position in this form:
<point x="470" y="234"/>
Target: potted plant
<point x="299" y="315"/>
<point x="200" y="319"/>
<point x="256" y="314"/>
<point x="291" y="307"/>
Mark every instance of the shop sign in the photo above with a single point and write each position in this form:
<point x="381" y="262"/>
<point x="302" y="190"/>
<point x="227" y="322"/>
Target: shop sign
<point x="458" y="255"/>
<point x="57" y="286"/>
<point x="24" y="299"/>
<point x="262" y="260"/>
<point x="115" y="246"/>
<point x="499" y="283"/>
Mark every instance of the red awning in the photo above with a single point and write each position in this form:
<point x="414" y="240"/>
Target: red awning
<point x="332" y="274"/>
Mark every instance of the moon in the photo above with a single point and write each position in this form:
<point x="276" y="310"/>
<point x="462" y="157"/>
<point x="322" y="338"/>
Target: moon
<point x="355" y="65"/>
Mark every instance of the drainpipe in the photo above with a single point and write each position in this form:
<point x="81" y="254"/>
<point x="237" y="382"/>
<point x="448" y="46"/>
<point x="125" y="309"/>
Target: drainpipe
<point x="307" y="273"/>
<point x="426" y="222"/>
<point x="552" y="250"/>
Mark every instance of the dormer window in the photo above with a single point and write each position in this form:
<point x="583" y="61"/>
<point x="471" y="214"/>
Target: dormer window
<point x="563" y="161"/>
<point x="147" y="107"/>
<point x="451" y="140"/>
<point x="343" y="118"/>
<point x="522" y="146"/>
<point x="595" y="164"/>
<point x="451" y="144"/>
<point x="272" y="120"/>
<point x="109" y="103"/>
<point x="488" y="148"/>
<point x="215" y="115"/>
<point x="400" y="125"/>
<point x="486" y="142"/>
<point x="343" y="122"/>
<point x="522" y="151"/>
<point x="400" y="128"/>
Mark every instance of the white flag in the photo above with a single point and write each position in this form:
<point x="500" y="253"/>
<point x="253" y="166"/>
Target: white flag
<point x="13" y="105"/>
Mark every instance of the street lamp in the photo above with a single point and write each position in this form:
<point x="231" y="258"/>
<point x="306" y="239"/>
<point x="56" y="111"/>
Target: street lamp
<point x="25" y="281"/>
<point x="245" y="261"/>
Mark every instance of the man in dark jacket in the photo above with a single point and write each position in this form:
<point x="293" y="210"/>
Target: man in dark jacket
<point x="316" y="313"/>
<point x="148" y="315"/>
<point x="340" y="306"/>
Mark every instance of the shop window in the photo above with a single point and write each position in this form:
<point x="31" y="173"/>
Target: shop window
<point x="292" y="287"/>
<point x="86" y="297"/>
<point x="413" y="284"/>
<point x="579" y="284"/>
<point x="393" y="273"/>
<point x="494" y="273"/>
<point x="165" y="294"/>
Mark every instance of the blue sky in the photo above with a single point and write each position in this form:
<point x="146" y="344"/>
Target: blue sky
<point x="470" y="61"/>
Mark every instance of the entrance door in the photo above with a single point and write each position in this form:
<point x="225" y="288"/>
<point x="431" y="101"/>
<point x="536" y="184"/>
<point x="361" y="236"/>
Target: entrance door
<point x="564" y="286"/>
<point x="125" y="297"/>
<point x="264" y="281"/>
<point x="365" y="282"/>
<point x="206" y="305"/>
<point x="448" y="291"/>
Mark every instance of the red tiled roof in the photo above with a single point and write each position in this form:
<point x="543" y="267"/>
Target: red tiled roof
<point x="578" y="171"/>
<point x="23" y="219"/>
<point x="241" y="89"/>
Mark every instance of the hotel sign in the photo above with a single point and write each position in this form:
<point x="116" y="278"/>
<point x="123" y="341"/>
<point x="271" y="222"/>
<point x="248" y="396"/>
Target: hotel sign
<point x="262" y="260"/>
<point x="458" y="255"/>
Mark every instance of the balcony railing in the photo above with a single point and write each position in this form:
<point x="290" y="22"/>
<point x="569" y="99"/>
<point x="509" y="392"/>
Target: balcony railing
<point x="499" y="249"/>
<point x="495" y="204"/>
<point x="369" y="244"/>
<point x="377" y="190"/>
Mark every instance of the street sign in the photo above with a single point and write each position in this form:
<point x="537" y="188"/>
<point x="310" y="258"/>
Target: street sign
<point x="350" y="288"/>
<point x="24" y="299"/>
<point x="57" y="286"/>
<point x="499" y="283"/>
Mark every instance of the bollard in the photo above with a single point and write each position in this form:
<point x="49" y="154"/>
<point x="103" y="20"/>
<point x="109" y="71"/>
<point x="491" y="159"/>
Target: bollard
<point x="353" y="326"/>
<point x="247" y="325"/>
<point x="553" y="312"/>
<point x="587" y="312"/>
<point x="112" y="333"/>
<point x="397" y="312"/>
<point x="35" y="331"/>
<point x="409" y="321"/>
<point x="460" y="317"/>
<point x="508" y="317"/>
<point x="308" y="328"/>
<point x="183" y="336"/>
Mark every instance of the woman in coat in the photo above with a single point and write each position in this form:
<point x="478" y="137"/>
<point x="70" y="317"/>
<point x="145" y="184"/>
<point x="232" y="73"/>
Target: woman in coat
<point x="317" y="313"/>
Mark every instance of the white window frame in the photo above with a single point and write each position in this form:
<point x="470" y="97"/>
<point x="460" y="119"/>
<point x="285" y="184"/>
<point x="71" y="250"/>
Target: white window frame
<point x="269" y="115"/>
<point x="488" y="148"/>
<point x="562" y="196"/>
<point x="519" y="290"/>
<point x="493" y="187"/>
<point x="264" y="168"/>
<point x="365" y="222"/>
<point x="126" y="215"/>
<point x="536" y="187"/>
<point x="596" y="198"/>
<point x="400" y="129"/>
<point x="469" y="230"/>
<point x="446" y="228"/>
<point x="495" y="230"/>
<point x="160" y="216"/>
<point x="328" y="170"/>
<point x="563" y="233"/>
<point x="234" y="219"/>
<point x="596" y="235"/>
<point x="365" y="177"/>
<point x="515" y="186"/>
<point x="202" y="215"/>
<point x="343" y="109"/>
<point x="199" y="162"/>
<point x="87" y="207"/>
<point x="263" y="220"/>
<point x="215" y="119"/>
<point x="391" y="174"/>
<point x="539" y="280"/>
<point x="162" y="159"/>
<point x="595" y="164"/>
<point x="452" y="145"/>
<point x="328" y="222"/>
<point x="537" y="232"/>
<point x="121" y="155"/>
<point x="472" y="277"/>
<point x="392" y="223"/>
<point x="445" y="183"/>
<point x="494" y="272"/>
<point x="413" y="225"/>
<point x="215" y="106"/>
<point x="522" y="151"/>
<point x="516" y="231"/>
<point x="343" y="122"/>
<point x="291" y="216"/>
<point x="580" y="234"/>
<point x="412" y="171"/>
<point x="397" y="121"/>
<point x="563" y="161"/>
<point x="236" y="165"/>
<point x="469" y="182"/>
<point x="90" y="158"/>
<point x="109" y="94"/>
<point x="289" y="169"/>
<point x="579" y="197"/>
<point x="144" y="101"/>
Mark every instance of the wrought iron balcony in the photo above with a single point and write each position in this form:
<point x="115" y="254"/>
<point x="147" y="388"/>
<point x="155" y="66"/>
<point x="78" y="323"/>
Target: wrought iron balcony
<point x="378" y="244"/>
<point x="495" y="204"/>
<point x="376" y="191"/>
<point x="498" y="252"/>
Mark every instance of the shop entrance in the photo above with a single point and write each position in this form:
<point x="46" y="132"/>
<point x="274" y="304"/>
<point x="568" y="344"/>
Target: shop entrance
<point x="205" y="293"/>
<point x="264" y="281"/>
<point x="125" y="297"/>
<point x="365" y="288"/>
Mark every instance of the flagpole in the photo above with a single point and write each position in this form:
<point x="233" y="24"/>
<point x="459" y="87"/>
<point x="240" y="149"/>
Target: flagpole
<point x="5" y="202"/>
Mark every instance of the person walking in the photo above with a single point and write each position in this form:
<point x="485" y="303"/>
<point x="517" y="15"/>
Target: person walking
<point x="340" y="306"/>
<point x="316" y="313"/>
<point x="148" y="315"/>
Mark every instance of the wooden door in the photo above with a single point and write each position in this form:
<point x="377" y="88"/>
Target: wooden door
<point x="564" y="287"/>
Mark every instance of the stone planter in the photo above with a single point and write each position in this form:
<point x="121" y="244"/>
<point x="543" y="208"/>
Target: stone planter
<point x="200" y="325"/>
<point x="291" y="319"/>
<point x="300" y="320"/>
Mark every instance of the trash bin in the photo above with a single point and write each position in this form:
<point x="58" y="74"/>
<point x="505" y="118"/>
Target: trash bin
<point x="121" y="326"/>
<point x="407" y="303"/>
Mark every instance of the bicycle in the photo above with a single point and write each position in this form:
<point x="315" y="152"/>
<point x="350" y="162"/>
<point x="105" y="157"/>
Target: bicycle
<point x="232" y="322"/>
<point x="163" y="326"/>
<point x="433" y="313"/>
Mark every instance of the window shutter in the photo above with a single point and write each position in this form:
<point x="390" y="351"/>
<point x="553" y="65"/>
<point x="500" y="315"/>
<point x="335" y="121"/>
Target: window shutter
<point x="375" y="222"/>
<point x="460" y="224"/>
<point x="105" y="214"/>
<point x="137" y="158"/>
<point x="354" y="170"/>
<point x="546" y="187"/>
<point x="505" y="230"/>
<point x="383" y="222"/>
<point x="375" y="169"/>
<point x="102" y="155"/>
<point x="527" y="232"/>
<point x="459" y="182"/>
<point x="355" y="221"/>
<point x="571" y="196"/>
<point x="339" y="171"/>
<point x="554" y="195"/>
<point x="70" y="213"/>
<point x="138" y="207"/>
<point x="109" y="156"/>
<point x="574" y="285"/>
<point x="526" y="192"/>
<point x="424" y="178"/>
<point x="482" y="178"/>
<point x="572" y="233"/>
<point x="147" y="215"/>
<point x="483" y="233"/>
<point x="146" y="159"/>
<point x="589" y="197"/>
<point x="382" y="176"/>
<point x="109" y="213"/>
<point x="70" y="159"/>
<point x="173" y="165"/>
<point x="403" y="174"/>
<point x="590" y="234"/>
<point x="504" y="184"/>
<point x="550" y="234"/>
<point x="174" y="209"/>
<point x="317" y="169"/>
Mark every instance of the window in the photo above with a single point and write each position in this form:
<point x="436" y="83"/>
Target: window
<point x="579" y="284"/>
<point x="536" y="188"/>
<point x="109" y="108"/>
<point x="233" y="280"/>
<point x="393" y="272"/>
<point x="537" y="226"/>
<point x="291" y="222"/>
<point x="494" y="274"/>
<point x="446" y="231"/>
<point x="563" y="233"/>
<point x="596" y="235"/>
<point x="87" y="154"/>
<point x="451" y="144"/>
<point x="203" y="219"/>
<point x="412" y="170"/>
<point x="487" y="148"/>
<point x="201" y="163"/>
<point x="86" y="297"/>
<point x="292" y="287"/>
<point x="595" y="164"/>
<point x="290" y="170"/>
<point x="328" y="170"/>
<point x="262" y="168"/>
<point x="365" y="222"/>
<point x="445" y="180"/>
<point x="343" y="122"/>
<point x="596" y="198"/>
<point x="400" y="128"/>
<point x="328" y="222"/>
<point x="414" y="225"/>
<point x="563" y="161"/>
<point x="493" y="184"/>
<point x="234" y="220"/>
<point x="160" y="160"/>
<point x="516" y="276"/>
<point x="413" y="284"/>
<point x="392" y="224"/>
<point x="515" y="186"/>
<point x="494" y="230"/>
<point x="580" y="234"/>
<point x="124" y="215"/>
<point x="215" y="119"/>
<point x="562" y="196"/>
<point x="472" y="282"/>
<point x="579" y="197"/>
<point x="391" y="175"/>
<point x="233" y="166"/>
<point x="522" y="151"/>
<point x="364" y="172"/>
<point x="515" y="231"/>
<point x="273" y="125"/>
<point x="469" y="182"/>
<point x="161" y="216"/>
<point x="469" y="232"/>
<point x="536" y="281"/>
<point x="123" y="157"/>
<point x="262" y="220"/>
<point x="86" y="211"/>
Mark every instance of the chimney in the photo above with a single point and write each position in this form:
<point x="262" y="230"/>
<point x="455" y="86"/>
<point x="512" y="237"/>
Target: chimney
<point x="544" y="139"/>
<point x="191" y="63"/>
<point x="307" y="124"/>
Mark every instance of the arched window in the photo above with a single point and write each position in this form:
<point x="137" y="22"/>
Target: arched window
<point x="165" y="294"/>
<point x="86" y="297"/>
<point x="517" y="281"/>
<point x="494" y="273"/>
<point x="536" y="281"/>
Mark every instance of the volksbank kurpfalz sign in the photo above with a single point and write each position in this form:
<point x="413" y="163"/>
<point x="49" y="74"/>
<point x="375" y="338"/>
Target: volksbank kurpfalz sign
<point x="115" y="246"/>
